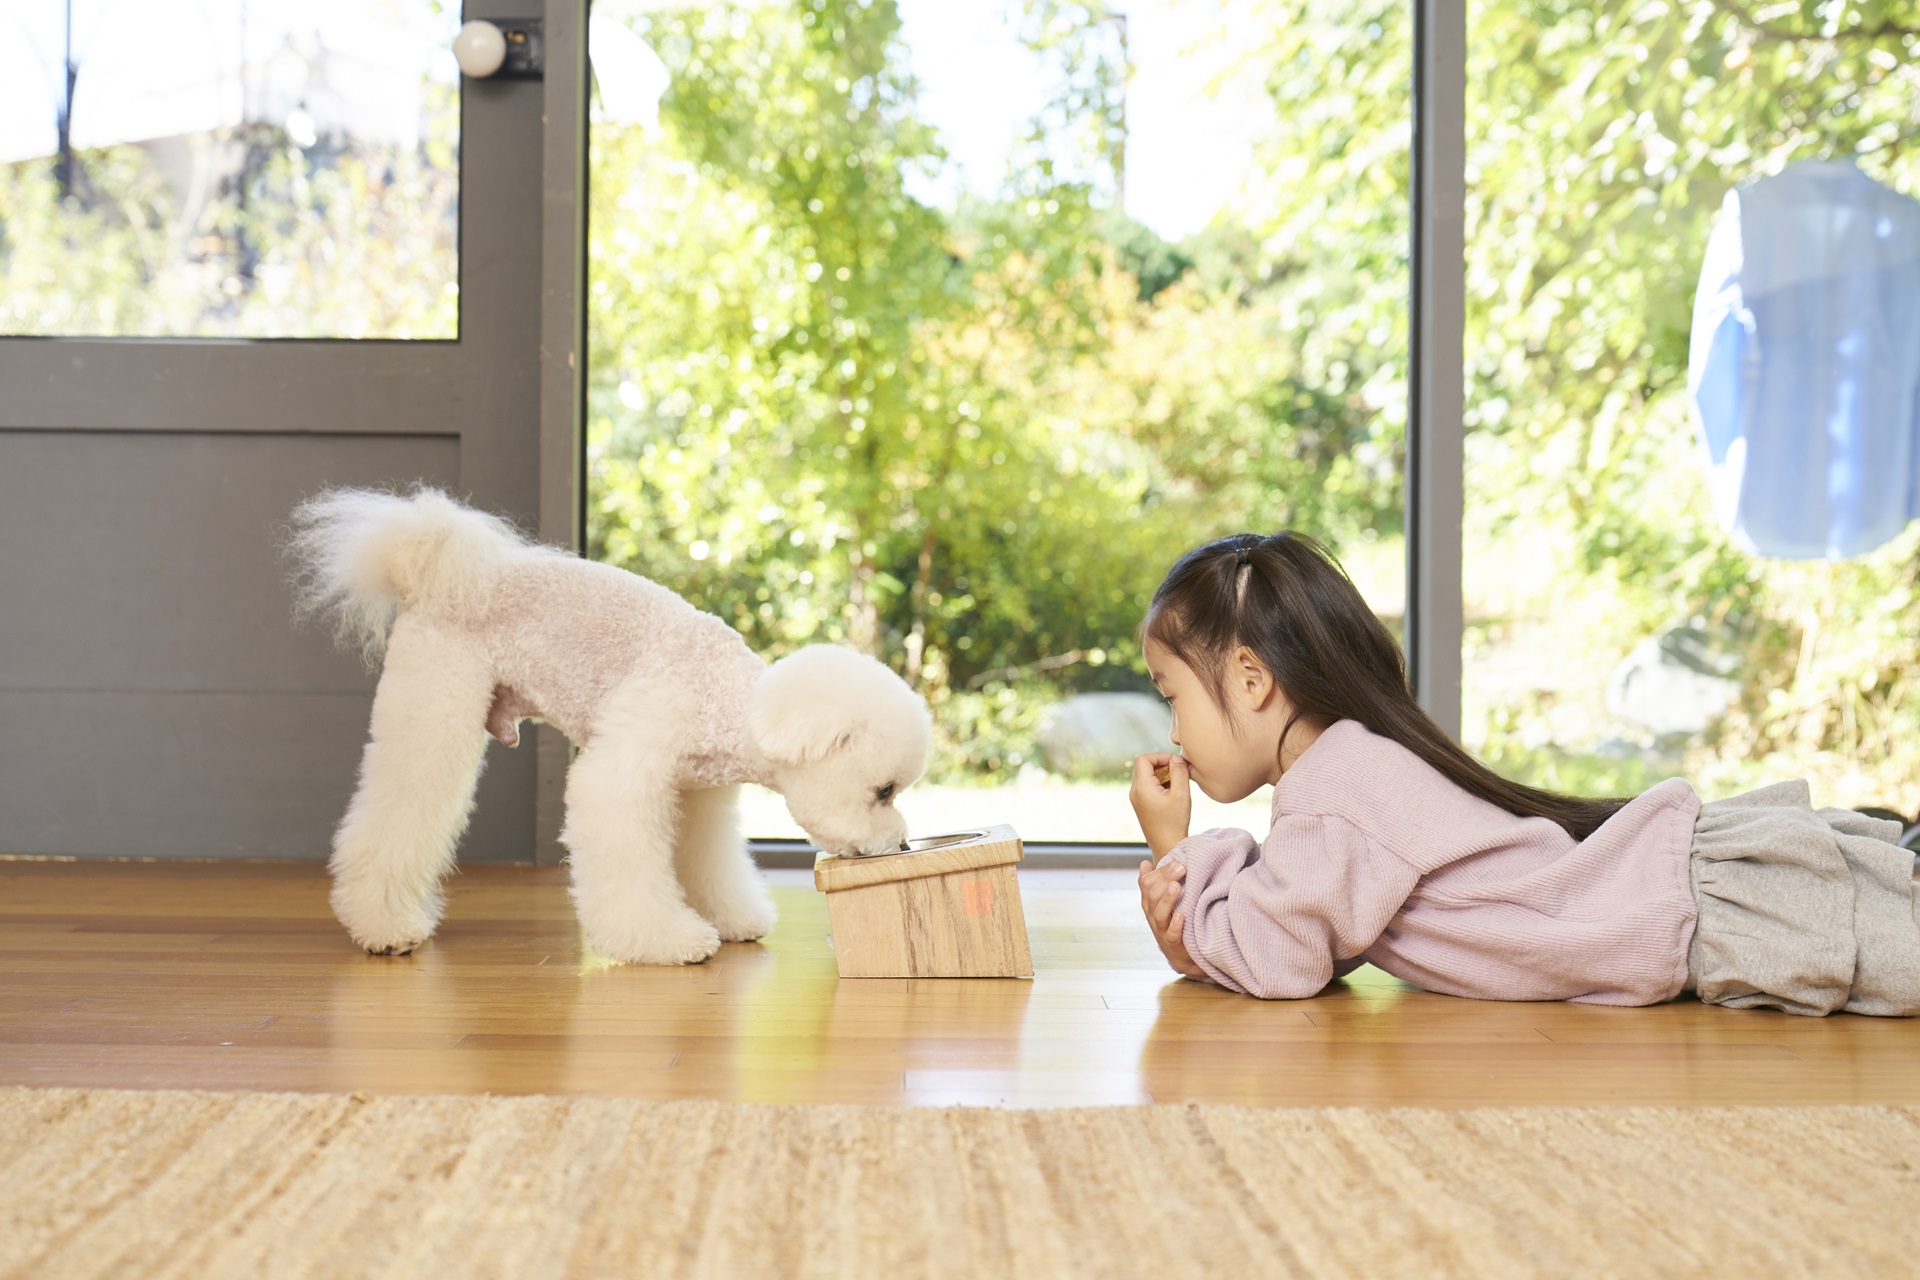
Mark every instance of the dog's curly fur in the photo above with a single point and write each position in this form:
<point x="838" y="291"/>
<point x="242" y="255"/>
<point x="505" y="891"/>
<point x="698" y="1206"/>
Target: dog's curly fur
<point x="475" y="627"/>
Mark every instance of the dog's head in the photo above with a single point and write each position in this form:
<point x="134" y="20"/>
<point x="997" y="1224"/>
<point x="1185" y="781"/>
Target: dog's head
<point x="845" y="736"/>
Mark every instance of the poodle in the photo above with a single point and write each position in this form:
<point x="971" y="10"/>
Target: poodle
<point x="481" y="628"/>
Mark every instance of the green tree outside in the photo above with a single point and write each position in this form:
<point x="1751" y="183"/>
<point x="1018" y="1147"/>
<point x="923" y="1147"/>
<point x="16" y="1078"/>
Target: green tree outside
<point x="968" y="440"/>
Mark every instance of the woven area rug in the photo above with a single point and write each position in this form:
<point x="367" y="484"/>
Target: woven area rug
<point x="216" y="1185"/>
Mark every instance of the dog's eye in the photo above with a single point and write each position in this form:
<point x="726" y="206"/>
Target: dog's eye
<point x="883" y="794"/>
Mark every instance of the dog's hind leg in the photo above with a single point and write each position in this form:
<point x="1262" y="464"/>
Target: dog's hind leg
<point x="423" y="757"/>
<point x="715" y="869"/>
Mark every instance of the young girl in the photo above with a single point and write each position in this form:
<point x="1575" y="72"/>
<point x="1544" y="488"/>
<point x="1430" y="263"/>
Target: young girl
<point x="1392" y="846"/>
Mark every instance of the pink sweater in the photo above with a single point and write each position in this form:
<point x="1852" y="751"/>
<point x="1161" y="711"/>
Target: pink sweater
<point x="1376" y="858"/>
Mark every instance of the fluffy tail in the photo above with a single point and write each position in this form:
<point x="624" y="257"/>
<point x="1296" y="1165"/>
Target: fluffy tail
<point x="362" y="555"/>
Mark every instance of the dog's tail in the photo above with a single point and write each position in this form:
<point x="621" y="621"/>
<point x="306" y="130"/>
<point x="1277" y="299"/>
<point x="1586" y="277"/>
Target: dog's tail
<point x="362" y="555"/>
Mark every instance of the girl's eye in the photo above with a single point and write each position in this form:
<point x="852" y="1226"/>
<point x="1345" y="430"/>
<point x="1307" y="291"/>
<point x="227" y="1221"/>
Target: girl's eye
<point x="884" y="794"/>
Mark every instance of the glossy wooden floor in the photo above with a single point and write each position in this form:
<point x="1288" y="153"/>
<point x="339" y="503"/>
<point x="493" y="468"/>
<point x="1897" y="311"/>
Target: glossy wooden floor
<point x="235" y="976"/>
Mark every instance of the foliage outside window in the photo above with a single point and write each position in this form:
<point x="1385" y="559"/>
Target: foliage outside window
<point x="252" y="207"/>
<point x="971" y="439"/>
<point x="1601" y="142"/>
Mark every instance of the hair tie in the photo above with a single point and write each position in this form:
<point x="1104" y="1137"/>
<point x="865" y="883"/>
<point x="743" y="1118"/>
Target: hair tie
<point x="1240" y="556"/>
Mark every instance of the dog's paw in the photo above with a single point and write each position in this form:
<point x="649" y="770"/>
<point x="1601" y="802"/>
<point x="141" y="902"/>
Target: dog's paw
<point x="372" y="919"/>
<point x="390" y="937"/>
<point x="744" y="922"/>
<point x="680" y="940"/>
<point x="392" y="941"/>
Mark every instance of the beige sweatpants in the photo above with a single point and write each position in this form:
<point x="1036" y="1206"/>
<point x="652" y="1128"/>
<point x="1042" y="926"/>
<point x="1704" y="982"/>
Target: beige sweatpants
<point x="1801" y="909"/>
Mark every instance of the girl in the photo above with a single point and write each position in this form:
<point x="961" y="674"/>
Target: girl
<point x="1391" y="846"/>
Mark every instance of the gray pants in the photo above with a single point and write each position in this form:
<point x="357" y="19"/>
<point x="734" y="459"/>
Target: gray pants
<point x="1803" y="910"/>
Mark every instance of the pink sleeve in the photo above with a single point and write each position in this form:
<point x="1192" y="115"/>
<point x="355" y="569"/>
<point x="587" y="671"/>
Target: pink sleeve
<point x="1280" y="920"/>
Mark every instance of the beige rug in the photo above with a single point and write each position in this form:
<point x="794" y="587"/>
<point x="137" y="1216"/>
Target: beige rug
<point x="119" y="1184"/>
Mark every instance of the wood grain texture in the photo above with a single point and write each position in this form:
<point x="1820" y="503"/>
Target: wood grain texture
<point x="236" y="976"/>
<point x="966" y="924"/>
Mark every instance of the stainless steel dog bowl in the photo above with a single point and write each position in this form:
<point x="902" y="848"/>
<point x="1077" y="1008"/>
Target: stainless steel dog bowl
<point x="921" y="844"/>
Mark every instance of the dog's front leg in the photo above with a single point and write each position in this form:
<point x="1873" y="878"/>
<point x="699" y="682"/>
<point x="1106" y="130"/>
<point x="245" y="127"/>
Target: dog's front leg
<point x="715" y="869"/>
<point x="622" y="817"/>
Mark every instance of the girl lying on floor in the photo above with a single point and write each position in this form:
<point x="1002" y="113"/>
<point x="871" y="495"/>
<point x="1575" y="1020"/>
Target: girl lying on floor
<point x="1392" y="846"/>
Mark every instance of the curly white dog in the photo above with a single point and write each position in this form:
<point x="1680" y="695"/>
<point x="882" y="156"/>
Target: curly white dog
<point x="670" y="709"/>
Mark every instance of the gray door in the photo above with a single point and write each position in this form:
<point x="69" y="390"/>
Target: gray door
<point x="155" y="698"/>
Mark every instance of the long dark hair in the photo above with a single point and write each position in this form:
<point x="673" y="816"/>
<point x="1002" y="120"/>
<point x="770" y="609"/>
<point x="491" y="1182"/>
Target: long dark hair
<point x="1300" y="614"/>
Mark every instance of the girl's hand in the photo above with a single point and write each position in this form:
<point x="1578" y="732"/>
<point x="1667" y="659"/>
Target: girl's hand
<point x="1160" y="889"/>
<point x="1164" y="809"/>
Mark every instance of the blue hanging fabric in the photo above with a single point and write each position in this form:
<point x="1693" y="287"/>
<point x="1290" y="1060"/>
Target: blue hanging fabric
<point x="1805" y="364"/>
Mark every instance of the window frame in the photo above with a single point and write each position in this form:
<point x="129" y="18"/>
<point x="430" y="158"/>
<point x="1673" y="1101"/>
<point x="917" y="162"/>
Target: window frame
<point x="1435" y="459"/>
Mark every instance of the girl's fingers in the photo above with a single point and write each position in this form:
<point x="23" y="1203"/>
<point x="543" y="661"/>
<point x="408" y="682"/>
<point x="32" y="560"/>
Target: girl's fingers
<point x="1160" y="890"/>
<point x="1148" y="768"/>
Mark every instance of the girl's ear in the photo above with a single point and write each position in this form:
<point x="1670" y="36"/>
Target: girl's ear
<point x="1252" y="680"/>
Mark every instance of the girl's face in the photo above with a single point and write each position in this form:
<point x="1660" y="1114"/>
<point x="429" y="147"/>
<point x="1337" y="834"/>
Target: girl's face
<point x="1226" y="765"/>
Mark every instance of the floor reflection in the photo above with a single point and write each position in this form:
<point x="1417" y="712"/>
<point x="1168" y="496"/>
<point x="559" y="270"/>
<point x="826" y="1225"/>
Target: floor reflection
<point x="239" y="978"/>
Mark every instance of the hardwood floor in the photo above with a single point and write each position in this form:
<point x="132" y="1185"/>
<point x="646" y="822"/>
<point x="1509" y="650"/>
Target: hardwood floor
<point x="232" y="976"/>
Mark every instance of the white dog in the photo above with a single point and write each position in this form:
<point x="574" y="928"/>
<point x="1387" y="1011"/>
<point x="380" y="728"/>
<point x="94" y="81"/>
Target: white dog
<point x="670" y="709"/>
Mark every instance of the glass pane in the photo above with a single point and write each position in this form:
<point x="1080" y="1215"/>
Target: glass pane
<point x="1617" y="633"/>
<point x="231" y="168"/>
<point x="943" y="329"/>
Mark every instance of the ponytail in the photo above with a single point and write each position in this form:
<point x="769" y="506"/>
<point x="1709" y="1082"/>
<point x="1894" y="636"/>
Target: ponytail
<point x="1287" y="600"/>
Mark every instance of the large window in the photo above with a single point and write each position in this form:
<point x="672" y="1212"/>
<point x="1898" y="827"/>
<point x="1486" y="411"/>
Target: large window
<point x="942" y="329"/>
<point x="229" y="168"/>
<point x="1616" y="634"/>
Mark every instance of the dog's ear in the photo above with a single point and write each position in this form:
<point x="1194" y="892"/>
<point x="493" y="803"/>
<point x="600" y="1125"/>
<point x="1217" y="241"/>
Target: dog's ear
<point x="808" y="705"/>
